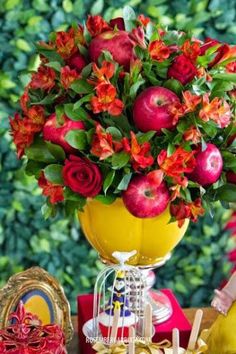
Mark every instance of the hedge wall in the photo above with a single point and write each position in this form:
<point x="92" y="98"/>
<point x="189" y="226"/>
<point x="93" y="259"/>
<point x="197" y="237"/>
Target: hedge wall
<point x="57" y="245"/>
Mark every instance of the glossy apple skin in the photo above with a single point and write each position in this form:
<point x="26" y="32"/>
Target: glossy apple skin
<point x="151" y="109"/>
<point x="117" y="43"/>
<point x="231" y="177"/>
<point x="143" y="199"/>
<point x="77" y="62"/>
<point x="209" y="165"/>
<point x="56" y="134"/>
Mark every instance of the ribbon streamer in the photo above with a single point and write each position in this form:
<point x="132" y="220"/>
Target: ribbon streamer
<point x="202" y="347"/>
<point x="113" y="349"/>
<point x="153" y="348"/>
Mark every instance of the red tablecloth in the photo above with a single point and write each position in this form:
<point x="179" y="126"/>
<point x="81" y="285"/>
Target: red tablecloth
<point x="163" y="331"/>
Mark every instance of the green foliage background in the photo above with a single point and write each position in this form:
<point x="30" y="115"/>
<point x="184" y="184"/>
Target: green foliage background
<point x="199" y="264"/>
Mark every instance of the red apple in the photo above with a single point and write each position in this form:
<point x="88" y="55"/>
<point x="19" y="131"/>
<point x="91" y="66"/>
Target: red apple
<point x="209" y="164"/>
<point x="231" y="177"/>
<point x="56" y="133"/>
<point x="151" y="109"/>
<point x="77" y="62"/>
<point x="144" y="199"/>
<point x="117" y="43"/>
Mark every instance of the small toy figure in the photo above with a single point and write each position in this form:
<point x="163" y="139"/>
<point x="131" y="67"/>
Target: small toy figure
<point x="221" y="338"/>
<point x="118" y="306"/>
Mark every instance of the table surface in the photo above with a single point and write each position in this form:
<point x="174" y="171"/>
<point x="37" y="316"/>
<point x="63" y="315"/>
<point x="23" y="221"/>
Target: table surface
<point x="209" y="315"/>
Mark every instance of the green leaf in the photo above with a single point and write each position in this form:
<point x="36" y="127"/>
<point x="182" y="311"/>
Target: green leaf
<point x="108" y="180"/>
<point x="229" y="160"/>
<point x="39" y="151"/>
<point x="48" y="211"/>
<point x="97" y="7"/>
<point x="56" y="151"/>
<point x="119" y="160"/>
<point x="74" y="197"/>
<point x="123" y="185"/>
<point x="174" y="85"/>
<point x="75" y="114"/>
<point x="34" y="168"/>
<point x="143" y="137"/>
<point x="50" y="54"/>
<point x="86" y="71"/>
<point x="53" y="173"/>
<point x="108" y="199"/>
<point x="54" y="65"/>
<point x="77" y="139"/>
<point x="170" y="149"/>
<point x="135" y="87"/>
<point x="225" y="77"/>
<point x="226" y="193"/>
<point x="116" y="134"/>
<point x="59" y="114"/>
<point x="81" y="86"/>
<point x="129" y="18"/>
<point x="84" y="99"/>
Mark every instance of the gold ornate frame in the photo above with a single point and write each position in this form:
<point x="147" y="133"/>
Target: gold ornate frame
<point x="32" y="279"/>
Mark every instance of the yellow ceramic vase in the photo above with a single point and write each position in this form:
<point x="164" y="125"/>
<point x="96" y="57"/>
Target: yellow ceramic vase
<point x="111" y="228"/>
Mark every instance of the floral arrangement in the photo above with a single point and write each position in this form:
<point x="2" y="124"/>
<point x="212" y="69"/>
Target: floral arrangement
<point x="129" y="109"/>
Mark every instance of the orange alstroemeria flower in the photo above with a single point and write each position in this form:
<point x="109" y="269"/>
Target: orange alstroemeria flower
<point x="36" y="114"/>
<point x="191" y="49"/>
<point x="180" y="162"/>
<point x="231" y="67"/>
<point x="103" y="74"/>
<point x="192" y="134"/>
<point x="24" y="101"/>
<point x="43" y="79"/>
<point x="53" y="191"/>
<point x="22" y="131"/>
<point x="190" y="101"/>
<point x="140" y="153"/>
<point x="144" y="20"/>
<point x="159" y="51"/>
<point x="65" y="43"/>
<point x="106" y="100"/>
<point x="217" y="110"/>
<point x="102" y="144"/>
<point x="68" y="76"/>
<point x="184" y="210"/>
<point x="177" y="111"/>
<point x="96" y="25"/>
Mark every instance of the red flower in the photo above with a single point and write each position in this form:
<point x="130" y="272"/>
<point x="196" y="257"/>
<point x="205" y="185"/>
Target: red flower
<point x="97" y="25"/>
<point x="190" y="101"/>
<point x="159" y="51"/>
<point x="24" y="101"/>
<point x="191" y="49"/>
<point x="140" y="153"/>
<point x="138" y="37"/>
<point x="43" y="79"/>
<point x="102" y="143"/>
<point x="180" y="162"/>
<point x="223" y="52"/>
<point x="184" y="210"/>
<point x="106" y="100"/>
<point x="182" y="69"/>
<point x="53" y="191"/>
<point x="231" y="67"/>
<point x="103" y="74"/>
<point x="68" y="76"/>
<point x="144" y="20"/>
<point x="217" y="110"/>
<point x="192" y="134"/>
<point x="82" y="176"/>
<point x="23" y="132"/>
<point x="36" y="115"/>
<point x="65" y="43"/>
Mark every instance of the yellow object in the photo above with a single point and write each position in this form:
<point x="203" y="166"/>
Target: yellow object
<point x="221" y="337"/>
<point x="100" y="348"/>
<point x="111" y="228"/>
<point x="36" y="304"/>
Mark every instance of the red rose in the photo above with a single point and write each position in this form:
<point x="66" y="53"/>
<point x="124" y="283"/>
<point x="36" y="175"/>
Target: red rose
<point x="182" y="69"/>
<point x="82" y="176"/>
